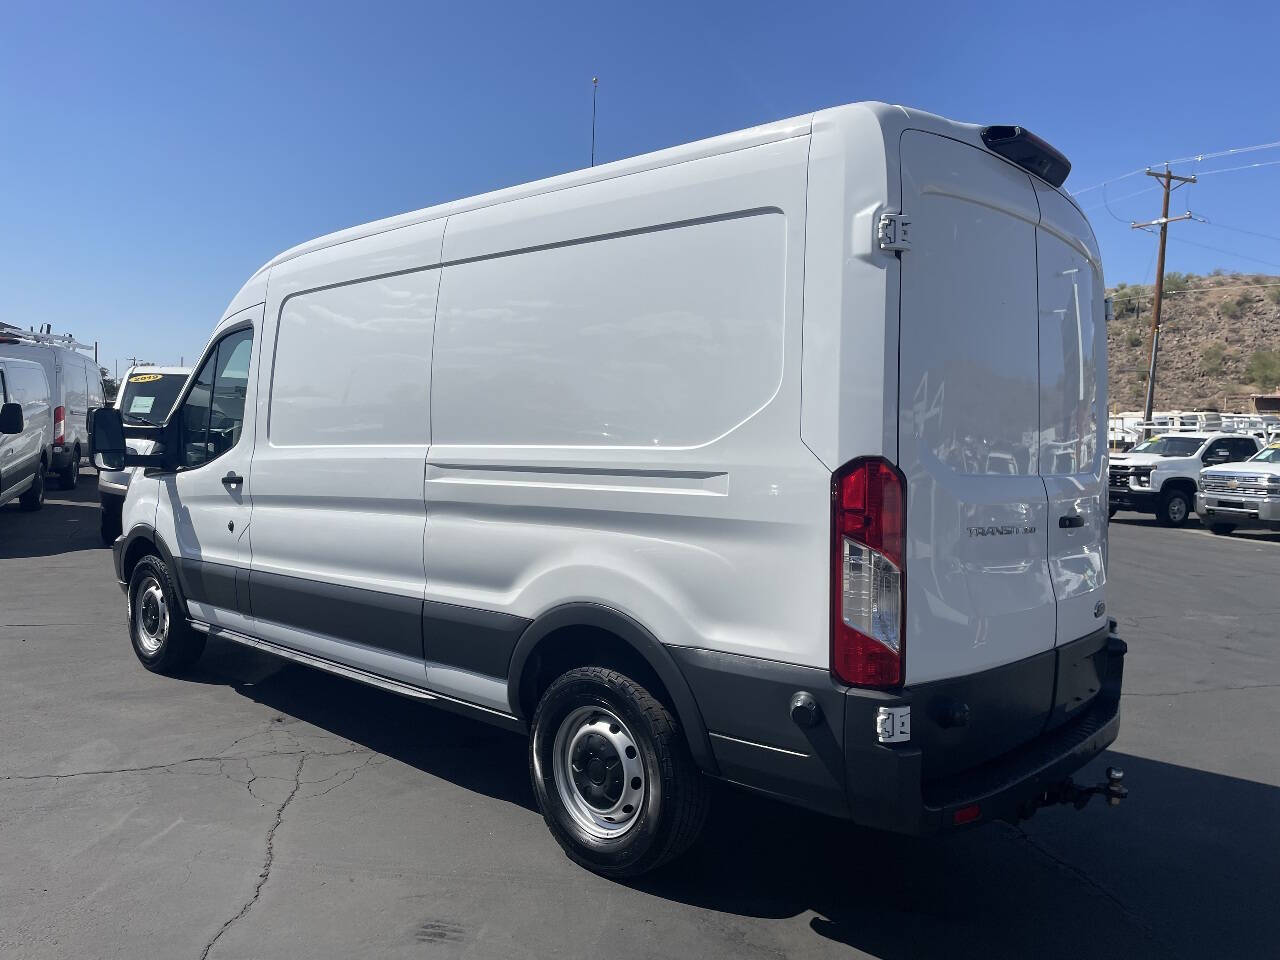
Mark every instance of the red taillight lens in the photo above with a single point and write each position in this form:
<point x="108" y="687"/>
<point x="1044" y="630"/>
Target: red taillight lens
<point x="868" y="521"/>
<point x="59" y="424"/>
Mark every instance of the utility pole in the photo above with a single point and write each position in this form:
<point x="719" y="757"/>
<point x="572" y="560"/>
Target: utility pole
<point x="595" y="83"/>
<point x="1167" y="180"/>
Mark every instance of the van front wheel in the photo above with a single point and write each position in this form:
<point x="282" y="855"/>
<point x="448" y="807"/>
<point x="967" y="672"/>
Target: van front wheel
<point x="613" y="774"/>
<point x="161" y="636"/>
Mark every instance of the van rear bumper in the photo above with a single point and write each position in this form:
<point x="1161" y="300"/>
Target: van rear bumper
<point x="840" y="767"/>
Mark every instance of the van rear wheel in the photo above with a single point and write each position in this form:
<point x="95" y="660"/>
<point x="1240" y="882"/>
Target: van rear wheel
<point x="158" y="629"/>
<point x="613" y="774"/>
<point x="69" y="476"/>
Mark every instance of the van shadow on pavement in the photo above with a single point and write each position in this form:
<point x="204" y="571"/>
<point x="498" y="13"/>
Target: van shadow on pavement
<point x="1186" y="867"/>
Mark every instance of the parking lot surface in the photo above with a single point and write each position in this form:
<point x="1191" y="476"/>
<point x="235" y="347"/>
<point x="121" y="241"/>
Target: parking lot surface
<point x="260" y="809"/>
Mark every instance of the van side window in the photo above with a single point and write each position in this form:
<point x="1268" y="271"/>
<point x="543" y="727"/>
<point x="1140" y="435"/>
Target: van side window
<point x="213" y="413"/>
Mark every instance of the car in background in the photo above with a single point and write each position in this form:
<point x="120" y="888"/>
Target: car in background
<point x="75" y="388"/>
<point x="1162" y="475"/>
<point x="1244" y="494"/>
<point x="26" y="432"/>
<point x="145" y="397"/>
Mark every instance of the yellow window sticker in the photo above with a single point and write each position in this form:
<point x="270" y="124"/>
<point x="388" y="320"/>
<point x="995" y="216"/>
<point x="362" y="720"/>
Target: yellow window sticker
<point x="145" y="378"/>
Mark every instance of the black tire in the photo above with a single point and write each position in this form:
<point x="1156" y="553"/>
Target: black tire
<point x="33" y="499"/>
<point x="110" y="516"/>
<point x="162" y="639"/>
<point x="1111" y="513"/>
<point x="69" y="476"/>
<point x="671" y="801"/>
<point x="1174" y="509"/>
<point x="1223" y="529"/>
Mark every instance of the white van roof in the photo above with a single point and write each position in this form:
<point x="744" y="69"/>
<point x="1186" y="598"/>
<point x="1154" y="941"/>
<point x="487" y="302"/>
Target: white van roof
<point x="891" y="118"/>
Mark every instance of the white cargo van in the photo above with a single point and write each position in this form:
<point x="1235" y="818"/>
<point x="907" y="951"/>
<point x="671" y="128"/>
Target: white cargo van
<point x="725" y="461"/>
<point x="26" y="431"/>
<point x="145" y="397"/>
<point x="75" y="385"/>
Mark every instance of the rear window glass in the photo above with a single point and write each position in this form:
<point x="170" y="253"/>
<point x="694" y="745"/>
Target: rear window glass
<point x="148" y="397"/>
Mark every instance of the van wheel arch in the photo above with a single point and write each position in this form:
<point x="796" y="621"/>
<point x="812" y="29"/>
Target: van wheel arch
<point x="143" y="540"/>
<point x="589" y="634"/>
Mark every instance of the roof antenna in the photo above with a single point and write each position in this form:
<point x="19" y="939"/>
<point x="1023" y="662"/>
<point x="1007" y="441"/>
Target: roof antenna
<point x="595" y="83"/>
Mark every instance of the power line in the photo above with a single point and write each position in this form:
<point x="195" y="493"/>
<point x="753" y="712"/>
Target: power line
<point x="1230" y="253"/>
<point x="1223" y="226"/>
<point x="1247" y="166"/>
<point x="1196" y="158"/>
<point x="1190" y="290"/>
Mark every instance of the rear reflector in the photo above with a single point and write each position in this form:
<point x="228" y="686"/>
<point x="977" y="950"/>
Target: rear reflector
<point x="867" y="544"/>
<point x="1029" y="152"/>
<point x="966" y="814"/>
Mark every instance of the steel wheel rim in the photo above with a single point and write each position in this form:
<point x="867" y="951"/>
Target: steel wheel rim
<point x="151" y="617"/>
<point x="1177" y="510"/>
<point x="598" y="772"/>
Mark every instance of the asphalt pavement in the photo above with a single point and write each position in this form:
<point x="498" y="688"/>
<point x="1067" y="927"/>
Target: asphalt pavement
<point x="261" y="809"/>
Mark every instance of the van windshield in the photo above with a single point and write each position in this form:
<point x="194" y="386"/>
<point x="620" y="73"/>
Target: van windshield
<point x="149" y="396"/>
<point x="1170" y="446"/>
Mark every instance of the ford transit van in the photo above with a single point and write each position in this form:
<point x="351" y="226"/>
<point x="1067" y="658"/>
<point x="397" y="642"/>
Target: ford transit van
<point x="145" y="397"/>
<point x="75" y="388"/>
<point x="776" y="458"/>
<point x="26" y="431"/>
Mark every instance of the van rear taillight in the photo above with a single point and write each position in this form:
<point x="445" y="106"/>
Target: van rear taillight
<point x="868" y="526"/>
<point x="59" y="426"/>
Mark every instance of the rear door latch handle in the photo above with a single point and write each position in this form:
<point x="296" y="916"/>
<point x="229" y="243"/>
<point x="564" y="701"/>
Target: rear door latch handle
<point x="232" y="479"/>
<point x="1074" y="520"/>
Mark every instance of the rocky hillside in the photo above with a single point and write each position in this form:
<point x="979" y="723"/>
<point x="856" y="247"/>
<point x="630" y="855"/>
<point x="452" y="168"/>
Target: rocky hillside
<point x="1219" y="342"/>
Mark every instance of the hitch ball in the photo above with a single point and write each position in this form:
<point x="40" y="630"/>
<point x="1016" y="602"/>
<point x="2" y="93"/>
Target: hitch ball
<point x="1115" y="790"/>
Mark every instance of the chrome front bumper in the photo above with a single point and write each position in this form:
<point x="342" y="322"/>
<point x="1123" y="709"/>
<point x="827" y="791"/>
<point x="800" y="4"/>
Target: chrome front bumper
<point x="1239" y="510"/>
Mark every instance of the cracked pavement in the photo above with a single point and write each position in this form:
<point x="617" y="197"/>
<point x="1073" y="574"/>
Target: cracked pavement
<point x="256" y="809"/>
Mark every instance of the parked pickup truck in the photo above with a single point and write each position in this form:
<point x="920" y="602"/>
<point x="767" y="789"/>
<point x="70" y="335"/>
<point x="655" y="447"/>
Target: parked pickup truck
<point x="1245" y="494"/>
<point x="1161" y="475"/>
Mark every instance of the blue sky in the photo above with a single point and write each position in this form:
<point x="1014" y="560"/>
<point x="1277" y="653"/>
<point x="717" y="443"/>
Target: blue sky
<point x="154" y="155"/>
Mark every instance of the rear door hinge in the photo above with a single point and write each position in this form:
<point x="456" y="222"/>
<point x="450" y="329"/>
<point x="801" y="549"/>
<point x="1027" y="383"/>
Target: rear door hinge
<point x="894" y="231"/>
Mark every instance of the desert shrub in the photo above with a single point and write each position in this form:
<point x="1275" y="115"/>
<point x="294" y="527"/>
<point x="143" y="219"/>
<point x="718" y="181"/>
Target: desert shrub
<point x="1134" y="338"/>
<point x="1175" y="282"/>
<point x="1273" y="294"/>
<point x="1211" y="359"/>
<point x="1263" y="368"/>
<point x="1230" y="308"/>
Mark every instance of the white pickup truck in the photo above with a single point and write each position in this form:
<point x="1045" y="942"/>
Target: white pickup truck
<point x="1161" y="475"/>
<point x="1245" y="494"/>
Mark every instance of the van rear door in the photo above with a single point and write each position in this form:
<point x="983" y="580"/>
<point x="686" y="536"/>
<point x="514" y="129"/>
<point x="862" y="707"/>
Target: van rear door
<point x="1072" y="404"/>
<point x="979" y="592"/>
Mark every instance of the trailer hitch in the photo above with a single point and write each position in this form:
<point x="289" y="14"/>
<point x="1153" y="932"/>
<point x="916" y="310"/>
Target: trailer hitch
<point x="1068" y="791"/>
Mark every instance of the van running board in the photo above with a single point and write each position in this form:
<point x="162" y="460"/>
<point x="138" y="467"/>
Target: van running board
<point x="351" y="673"/>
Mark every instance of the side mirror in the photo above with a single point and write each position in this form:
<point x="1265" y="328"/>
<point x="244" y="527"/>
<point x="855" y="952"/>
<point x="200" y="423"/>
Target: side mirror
<point x="11" y="418"/>
<point x="106" y="439"/>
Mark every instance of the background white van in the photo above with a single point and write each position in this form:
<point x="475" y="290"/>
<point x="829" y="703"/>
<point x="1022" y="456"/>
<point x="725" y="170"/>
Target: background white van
<point x="75" y="385"/>
<point x="145" y="396"/>
<point x="26" y="431"/>
<point x="777" y="457"/>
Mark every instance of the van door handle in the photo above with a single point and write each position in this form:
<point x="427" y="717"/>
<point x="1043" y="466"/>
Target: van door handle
<point x="1072" y="520"/>
<point x="232" y="479"/>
